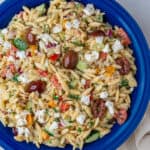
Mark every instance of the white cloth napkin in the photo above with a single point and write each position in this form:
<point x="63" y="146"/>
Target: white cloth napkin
<point x="140" y="140"/>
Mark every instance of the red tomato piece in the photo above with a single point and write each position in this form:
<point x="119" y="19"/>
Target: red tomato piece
<point x="12" y="68"/>
<point x="124" y="37"/>
<point x="87" y="84"/>
<point x="43" y="72"/>
<point x="64" y="107"/>
<point x="13" y="48"/>
<point x="103" y="56"/>
<point x="54" y="57"/>
<point x="55" y="82"/>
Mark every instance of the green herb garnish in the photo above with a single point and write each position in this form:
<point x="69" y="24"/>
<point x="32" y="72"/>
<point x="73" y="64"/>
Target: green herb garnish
<point x="124" y="83"/>
<point x="41" y="9"/>
<point x="78" y="43"/>
<point x="99" y="18"/>
<point x="79" y="130"/>
<point x="55" y="110"/>
<point x="49" y="133"/>
<point x="72" y="96"/>
<point x="15" y="78"/>
<point x="72" y="84"/>
<point x="55" y="97"/>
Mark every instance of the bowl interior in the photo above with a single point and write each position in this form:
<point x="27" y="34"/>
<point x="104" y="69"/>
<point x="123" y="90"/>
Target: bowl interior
<point x="114" y="17"/>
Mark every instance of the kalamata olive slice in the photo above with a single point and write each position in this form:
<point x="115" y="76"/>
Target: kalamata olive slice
<point x="38" y="86"/>
<point x="70" y="60"/>
<point x="15" y="132"/>
<point x="30" y="38"/>
<point x="96" y="33"/>
<point x="98" y="108"/>
<point x="125" y="65"/>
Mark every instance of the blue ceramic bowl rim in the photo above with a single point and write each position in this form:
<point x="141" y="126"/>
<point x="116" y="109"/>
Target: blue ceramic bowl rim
<point x="130" y="23"/>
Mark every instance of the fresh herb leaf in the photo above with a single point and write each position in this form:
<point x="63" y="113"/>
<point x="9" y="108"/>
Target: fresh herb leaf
<point x="79" y="130"/>
<point x="78" y="43"/>
<point x="91" y="124"/>
<point x="55" y="97"/>
<point x="49" y="133"/>
<point x="20" y="44"/>
<point x="124" y="83"/>
<point x="15" y="78"/>
<point x="41" y="9"/>
<point x="55" y="110"/>
<point x="99" y="18"/>
<point x="72" y="84"/>
<point x="46" y="28"/>
<point x="72" y="96"/>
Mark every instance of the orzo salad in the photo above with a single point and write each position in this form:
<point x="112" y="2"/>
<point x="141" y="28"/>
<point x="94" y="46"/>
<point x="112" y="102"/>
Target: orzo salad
<point x="66" y="75"/>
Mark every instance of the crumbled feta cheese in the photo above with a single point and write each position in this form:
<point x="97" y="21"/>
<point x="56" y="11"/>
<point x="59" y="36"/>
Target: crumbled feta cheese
<point x="76" y="23"/>
<point x="56" y="115"/>
<point x="57" y="28"/>
<point x="99" y="39"/>
<point x="21" y="54"/>
<point x="23" y="78"/>
<point x="4" y="31"/>
<point x="81" y="118"/>
<point x="68" y="25"/>
<point x="103" y="95"/>
<point x="110" y="107"/>
<point x="92" y="57"/>
<point x="40" y="115"/>
<point x="21" y="122"/>
<point x="21" y="119"/>
<point x="11" y="58"/>
<point x="106" y="49"/>
<point x="23" y="131"/>
<point x="85" y="99"/>
<point x="46" y="38"/>
<point x="7" y="45"/>
<point x="89" y="9"/>
<point x="131" y="89"/>
<point x="117" y="46"/>
<point x="53" y="126"/>
<point x="83" y="82"/>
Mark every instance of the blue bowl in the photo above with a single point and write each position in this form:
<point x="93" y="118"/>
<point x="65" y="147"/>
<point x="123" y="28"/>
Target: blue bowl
<point x="115" y="15"/>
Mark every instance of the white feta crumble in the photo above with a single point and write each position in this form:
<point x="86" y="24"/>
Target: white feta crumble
<point x="23" y="131"/>
<point x="99" y="39"/>
<point x="106" y="49"/>
<point x="7" y="45"/>
<point x="81" y="118"/>
<point x="131" y="89"/>
<point x="76" y="23"/>
<point x="117" y="46"/>
<point x="104" y="95"/>
<point x="92" y="57"/>
<point x="40" y="115"/>
<point x="89" y="9"/>
<point x="21" y="119"/>
<point x="110" y="107"/>
<point x="57" y="28"/>
<point x="56" y="115"/>
<point x="21" y="54"/>
<point x="83" y="82"/>
<point x="23" y="78"/>
<point x="11" y="58"/>
<point x="53" y="126"/>
<point x="68" y="25"/>
<point x="64" y="123"/>
<point x="46" y="38"/>
<point x="4" y="31"/>
<point x="85" y="99"/>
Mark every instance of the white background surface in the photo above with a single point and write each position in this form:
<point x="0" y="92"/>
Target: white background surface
<point x="140" y="10"/>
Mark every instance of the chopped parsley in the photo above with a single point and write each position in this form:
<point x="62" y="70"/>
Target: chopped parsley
<point x="56" y="97"/>
<point x="72" y="96"/>
<point x="49" y="133"/>
<point x="79" y="130"/>
<point x="15" y="78"/>
<point x="124" y="83"/>
<point x="78" y="43"/>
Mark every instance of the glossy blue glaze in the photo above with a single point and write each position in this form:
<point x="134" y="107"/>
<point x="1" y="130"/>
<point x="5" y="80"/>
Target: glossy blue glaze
<point x="115" y="15"/>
